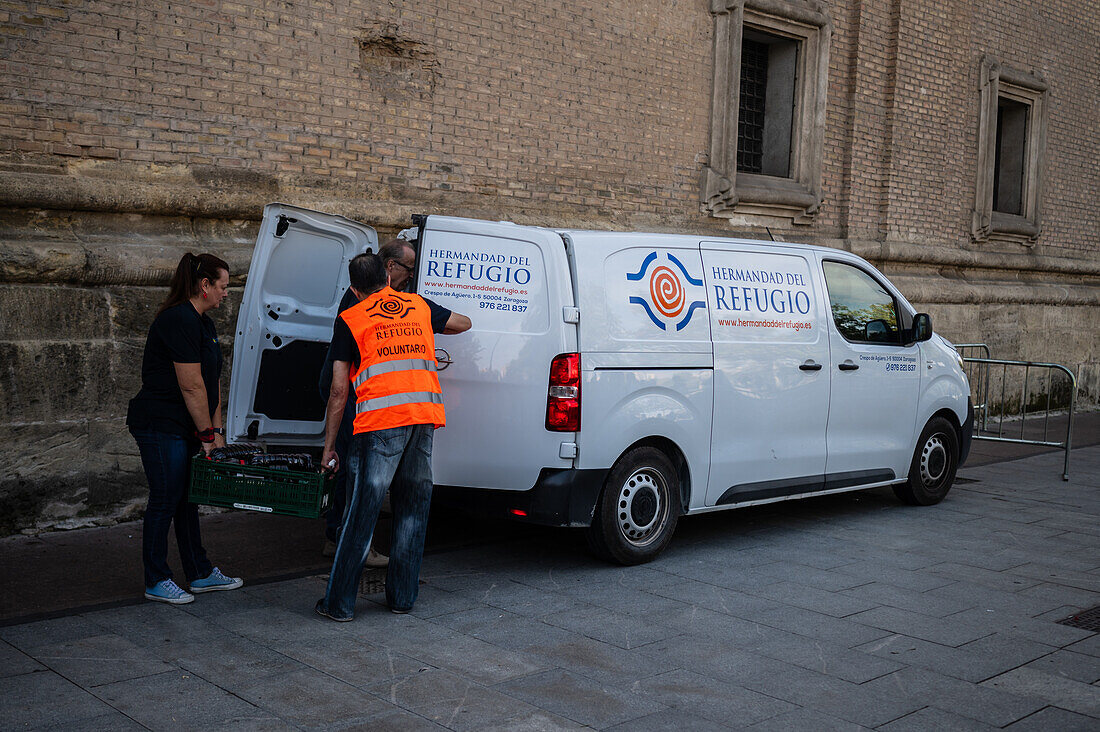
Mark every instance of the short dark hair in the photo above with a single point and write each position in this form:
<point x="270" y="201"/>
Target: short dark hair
<point x="393" y="249"/>
<point x="367" y="273"/>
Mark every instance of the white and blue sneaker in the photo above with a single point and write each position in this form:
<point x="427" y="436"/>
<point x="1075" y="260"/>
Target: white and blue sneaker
<point x="216" y="581"/>
<point x="168" y="591"/>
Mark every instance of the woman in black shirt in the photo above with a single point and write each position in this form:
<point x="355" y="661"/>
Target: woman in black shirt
<point x="178" y="410"/>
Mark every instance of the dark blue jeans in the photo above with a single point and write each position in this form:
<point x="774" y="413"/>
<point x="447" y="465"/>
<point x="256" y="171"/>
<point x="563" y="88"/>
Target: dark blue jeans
<point x="167" y="461"/>
<point x="400" y="460"/>
<point x="334" y="518"/>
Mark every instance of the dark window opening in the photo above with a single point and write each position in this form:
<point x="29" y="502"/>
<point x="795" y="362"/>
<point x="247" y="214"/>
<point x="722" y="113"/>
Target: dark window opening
<point x="1009" y="163"/>
<point x="766" y="103"/>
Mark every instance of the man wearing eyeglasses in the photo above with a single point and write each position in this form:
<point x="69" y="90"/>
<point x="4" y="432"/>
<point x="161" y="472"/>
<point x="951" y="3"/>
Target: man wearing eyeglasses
<point x="399" y="259"/>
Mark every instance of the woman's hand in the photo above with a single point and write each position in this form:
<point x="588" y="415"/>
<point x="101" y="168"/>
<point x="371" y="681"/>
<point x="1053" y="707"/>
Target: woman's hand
<point x="219" y="440"/>
<point x="207" y="447"/>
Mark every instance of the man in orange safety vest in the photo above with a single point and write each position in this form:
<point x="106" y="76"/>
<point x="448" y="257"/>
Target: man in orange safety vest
<point x="383" y="348"/>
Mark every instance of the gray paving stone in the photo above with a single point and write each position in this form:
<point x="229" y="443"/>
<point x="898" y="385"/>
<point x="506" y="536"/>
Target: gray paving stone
<point x="434" y="601"/>
<point x="538" y="721"/>
<point x="101" y="659"/>
<point x="711" y="698"/>
<point x="672" y="720"/>
<point x="837" y="604"/>
<point x="931" y="718"/>
<point x="602" y="662"/>
<point x="1052" y="718"/>
<point x="475" y="659"/>
<point x="924" y="603"/>
<point x="311" y="699"/>
<point x="503" y="629"/>
<point x="928" y="688"/>
<point x="1069" y="665"/>
<point x="521" y="599"/>
<point x="31" y="636"/>
<point x="805" y="719"/>
<point x="44" y="699"/>
<point x="848" y="631"/>
<point x="1088" y="646"/>
<point x="829" y="580"/>
<point x="14" y="662"/>
<point x="972" y="662"/>
<point x="1010" y="623"/>
<point x="861" y="704"/>
<point x="877" y="570"/>
<point x="180" y="699"/>
<point x="233" y="662"/>
<point x="1088" y="581"/>
<point x="952" y="633"/>
<point x="831" y="659"/>
<point x="400" y="720"/>
<point x="452" y="701"/>
<point x="718" y="599"/>
<point x="580" y="699"/>
<point x="1068" y="694"/>
<point x="354" y="661"/>
<point x="1024" y="602"/>
<point x="115" y="722"/>
<point x="1005" y="581"/>
<point x="609" y="626"/>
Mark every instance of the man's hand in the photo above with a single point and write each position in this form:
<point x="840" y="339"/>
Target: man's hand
<point x="207" y="447"/>
<point x="330" y="460"/>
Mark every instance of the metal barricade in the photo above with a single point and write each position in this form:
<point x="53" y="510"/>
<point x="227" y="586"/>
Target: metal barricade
<point x="978" y="376"/>
<point x="995" y="384"/>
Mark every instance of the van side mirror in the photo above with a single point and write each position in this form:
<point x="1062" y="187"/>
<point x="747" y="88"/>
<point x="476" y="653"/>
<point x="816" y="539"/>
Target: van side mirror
<point x="922" y="327"/>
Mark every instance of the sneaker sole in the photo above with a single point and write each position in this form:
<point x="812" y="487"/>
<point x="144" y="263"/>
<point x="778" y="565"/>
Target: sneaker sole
<point x="170" y="600"/>
<point x="323" y="614"/>
<point x="216" y="588"/>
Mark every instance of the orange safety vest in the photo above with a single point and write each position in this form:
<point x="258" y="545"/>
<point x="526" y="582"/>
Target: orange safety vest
<point x="395" y="383"/>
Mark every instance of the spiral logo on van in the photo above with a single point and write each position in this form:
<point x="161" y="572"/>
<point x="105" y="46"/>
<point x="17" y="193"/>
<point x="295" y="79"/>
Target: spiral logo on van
<point x="667" y="294"/>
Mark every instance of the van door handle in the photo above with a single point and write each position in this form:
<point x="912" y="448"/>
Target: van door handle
<point x="810" y="366"/>
<point x="847" y="365"/>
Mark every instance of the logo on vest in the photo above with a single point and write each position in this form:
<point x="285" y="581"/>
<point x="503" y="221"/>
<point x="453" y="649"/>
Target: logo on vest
<point x="390" y="308"/>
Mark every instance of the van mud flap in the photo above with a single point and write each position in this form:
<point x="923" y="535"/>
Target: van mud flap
<point x="560" y="497"/>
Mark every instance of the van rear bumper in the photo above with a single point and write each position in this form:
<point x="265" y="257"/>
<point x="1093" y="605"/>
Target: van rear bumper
<point x="558" y="498"/>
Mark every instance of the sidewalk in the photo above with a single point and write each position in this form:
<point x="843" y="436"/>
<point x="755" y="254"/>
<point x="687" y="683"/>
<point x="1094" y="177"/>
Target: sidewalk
<point x="844" y="612"/>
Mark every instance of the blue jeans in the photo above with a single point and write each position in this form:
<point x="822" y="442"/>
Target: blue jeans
<point x="398" y="460"/>
<point x="166" y="458"/>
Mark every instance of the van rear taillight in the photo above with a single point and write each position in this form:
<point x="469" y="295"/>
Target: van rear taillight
<point x="563" y="398"/>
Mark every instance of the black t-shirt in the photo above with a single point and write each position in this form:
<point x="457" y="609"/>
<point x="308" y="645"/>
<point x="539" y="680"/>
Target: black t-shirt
<point x="343" y="348"/>
<point x="178" y="335"/>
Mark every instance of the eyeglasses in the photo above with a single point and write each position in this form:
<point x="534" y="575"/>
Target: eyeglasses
<point x="404" y="266"/>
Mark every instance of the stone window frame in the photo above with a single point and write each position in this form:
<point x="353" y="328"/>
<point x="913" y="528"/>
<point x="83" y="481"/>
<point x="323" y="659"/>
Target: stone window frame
<point x="997" y="81"/>
<point x="727" y="193"/>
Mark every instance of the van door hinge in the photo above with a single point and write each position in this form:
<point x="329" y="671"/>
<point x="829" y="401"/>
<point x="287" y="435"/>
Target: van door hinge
<point x="567" y="450"/>
<point x="571" y="314"/>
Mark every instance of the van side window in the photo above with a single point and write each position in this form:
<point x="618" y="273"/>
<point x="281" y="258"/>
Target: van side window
<point x="864" y="312"/>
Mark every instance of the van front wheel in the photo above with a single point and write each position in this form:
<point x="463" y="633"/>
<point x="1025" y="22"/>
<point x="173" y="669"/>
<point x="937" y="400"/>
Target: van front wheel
<point x="934" y="464"/>
<point x="638" y="508"/>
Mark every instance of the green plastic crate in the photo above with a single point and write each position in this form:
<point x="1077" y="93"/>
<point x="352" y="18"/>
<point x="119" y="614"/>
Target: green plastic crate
<point x="254" y="488"/>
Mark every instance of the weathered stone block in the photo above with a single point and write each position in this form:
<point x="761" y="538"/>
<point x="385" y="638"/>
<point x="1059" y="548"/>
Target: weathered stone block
<point x="52" y="312"/>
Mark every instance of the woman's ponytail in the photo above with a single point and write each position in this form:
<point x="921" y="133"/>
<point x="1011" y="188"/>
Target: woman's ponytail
<point x="188" y="277"/>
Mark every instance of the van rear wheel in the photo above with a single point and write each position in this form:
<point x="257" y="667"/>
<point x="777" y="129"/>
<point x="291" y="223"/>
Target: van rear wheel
<point x="638" y="509"/>
<point x="934" y="464"/>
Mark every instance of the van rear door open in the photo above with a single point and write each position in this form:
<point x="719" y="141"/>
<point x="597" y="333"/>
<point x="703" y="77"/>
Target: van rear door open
<point x="513" y="283"/>
<point x="299" y="273"/>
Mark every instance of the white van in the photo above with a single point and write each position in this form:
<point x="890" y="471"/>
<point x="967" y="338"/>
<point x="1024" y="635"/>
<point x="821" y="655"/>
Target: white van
<point x="617" y="381"/>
